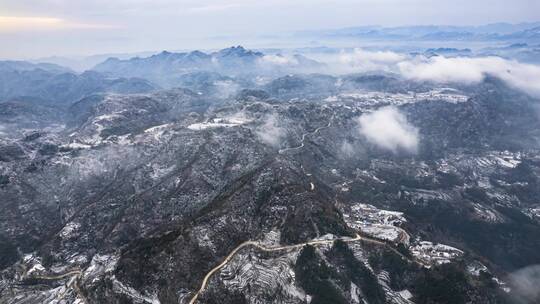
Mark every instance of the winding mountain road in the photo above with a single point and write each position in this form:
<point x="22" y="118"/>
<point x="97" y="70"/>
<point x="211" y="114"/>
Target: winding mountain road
<point x="303" y="140"/>
<point x="59" y="276"/>
<point x="279" y="248"/>
<point x="76" y="274"/>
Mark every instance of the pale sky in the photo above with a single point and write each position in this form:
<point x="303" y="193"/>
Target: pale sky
<point x="39" y="28"/>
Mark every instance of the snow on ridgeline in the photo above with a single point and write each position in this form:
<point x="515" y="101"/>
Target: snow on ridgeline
<point x="373" y="98"/>
<point x="384" y="225"/>
<point x="437" y="254"/>
<point x="381" y="224"/>
<point x="226" y="122"/>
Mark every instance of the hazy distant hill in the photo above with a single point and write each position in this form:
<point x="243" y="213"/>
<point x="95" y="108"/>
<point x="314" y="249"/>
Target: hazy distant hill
<point x="56" y="84"/>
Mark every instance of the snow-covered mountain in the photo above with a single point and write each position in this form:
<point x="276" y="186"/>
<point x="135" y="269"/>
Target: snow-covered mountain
<point x="289" y="191"/>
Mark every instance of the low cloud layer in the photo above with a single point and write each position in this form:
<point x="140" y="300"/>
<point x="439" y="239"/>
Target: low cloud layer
<point x="440" y="69"/>
<point x="387" y="128"/>
<point x="473" y="70"/>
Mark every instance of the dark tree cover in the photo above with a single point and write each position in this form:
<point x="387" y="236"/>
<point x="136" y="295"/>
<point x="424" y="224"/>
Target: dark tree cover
<point x="357" y="272"/>
<point x="443" y="285"/>
<point x="8" y="253"/>
<point x="399" y="269"/>
<point x="317" y="278"/>
<point x="449" y="284"/>
<point x="512" y="244"/>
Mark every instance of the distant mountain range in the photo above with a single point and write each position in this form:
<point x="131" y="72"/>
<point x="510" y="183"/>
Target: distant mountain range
<point x="496" y="31"/>
<point x="402" y="39"/>
<point x="167" y="68"/>
<point x="220" y="73"/>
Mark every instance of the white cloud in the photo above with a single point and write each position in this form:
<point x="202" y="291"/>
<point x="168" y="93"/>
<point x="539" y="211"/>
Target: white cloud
<point x="468" y="70"/>
<point x="389" y="129"/>
<point x="270" y="132"/>
<point x="359" y="60"/>
<point x="359" y="56"/>
<point x="366" y="60"/>
<point x="473" y="70"/>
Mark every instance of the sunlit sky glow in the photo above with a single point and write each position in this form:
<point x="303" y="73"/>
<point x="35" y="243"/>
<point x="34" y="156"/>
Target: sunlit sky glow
<point x="35" y="28"/>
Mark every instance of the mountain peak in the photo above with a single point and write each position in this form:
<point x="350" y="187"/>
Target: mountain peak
<point x="238" y="51"/>
<point x="197" y="54"/>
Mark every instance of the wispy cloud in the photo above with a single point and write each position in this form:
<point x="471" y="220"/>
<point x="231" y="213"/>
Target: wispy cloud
<point x="271" y="132"/>
<point x="8" y="23"/>
<point x="24" y="23"/>
<point x="526" y="284"/>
